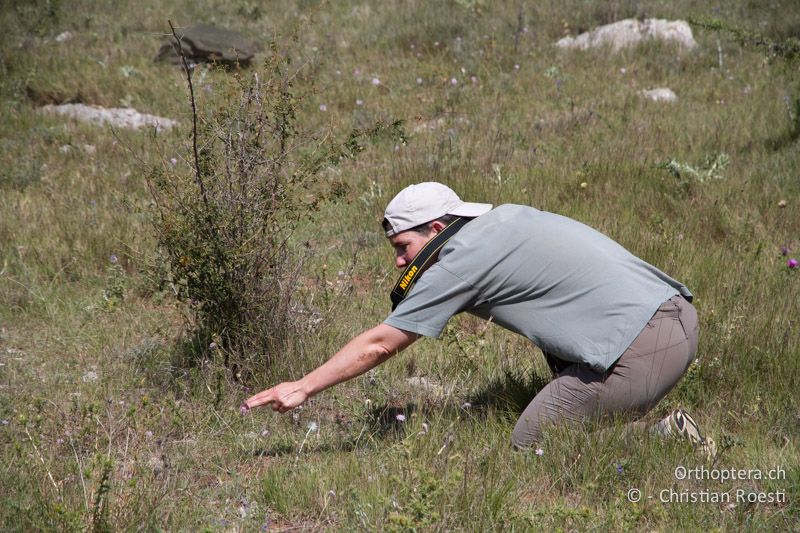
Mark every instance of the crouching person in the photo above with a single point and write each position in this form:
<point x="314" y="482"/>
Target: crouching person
<point x="617" y="332"/>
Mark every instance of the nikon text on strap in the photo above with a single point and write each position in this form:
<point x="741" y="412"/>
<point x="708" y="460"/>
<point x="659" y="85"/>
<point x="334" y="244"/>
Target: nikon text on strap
<point x="426" y="256"/>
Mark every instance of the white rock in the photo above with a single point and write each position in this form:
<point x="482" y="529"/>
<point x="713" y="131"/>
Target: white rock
<point x="429" y="385"/>
<point x="661" y="94"/>
<point x="632" y="31"/>
<point x="63" y="36"/>
<point x="120" y="117"/>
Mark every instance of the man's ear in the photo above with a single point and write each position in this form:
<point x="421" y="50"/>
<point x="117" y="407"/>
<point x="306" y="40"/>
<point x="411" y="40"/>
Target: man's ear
<point x="436" y="226"/>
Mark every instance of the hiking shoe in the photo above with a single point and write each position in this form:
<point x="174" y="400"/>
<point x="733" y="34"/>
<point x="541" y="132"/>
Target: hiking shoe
<point x="681" y="424"/>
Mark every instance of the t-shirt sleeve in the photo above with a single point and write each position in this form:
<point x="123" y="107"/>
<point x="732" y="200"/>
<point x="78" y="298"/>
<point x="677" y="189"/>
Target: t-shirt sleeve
<point x="436" y="296"/>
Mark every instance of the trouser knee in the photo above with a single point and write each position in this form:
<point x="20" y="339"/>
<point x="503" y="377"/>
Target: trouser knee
<point x="525" y="435"/>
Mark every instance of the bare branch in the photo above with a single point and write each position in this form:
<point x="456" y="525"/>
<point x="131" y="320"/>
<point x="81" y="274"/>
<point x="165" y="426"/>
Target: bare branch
<point x="198" y="175"/>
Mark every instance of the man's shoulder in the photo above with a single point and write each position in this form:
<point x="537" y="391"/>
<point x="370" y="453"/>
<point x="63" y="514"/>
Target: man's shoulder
<point x="485" y="235"/>
<point x="501" y="216"/>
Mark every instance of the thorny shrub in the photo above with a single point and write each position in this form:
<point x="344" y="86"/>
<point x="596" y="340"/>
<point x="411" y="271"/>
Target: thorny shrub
<point x="224" y="228"/>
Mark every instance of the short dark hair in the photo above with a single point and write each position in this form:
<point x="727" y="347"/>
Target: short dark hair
<point x="423" y="228"/>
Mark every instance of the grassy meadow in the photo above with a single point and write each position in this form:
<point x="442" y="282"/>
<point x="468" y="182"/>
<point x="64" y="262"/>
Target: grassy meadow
<point x="114" y="417"/>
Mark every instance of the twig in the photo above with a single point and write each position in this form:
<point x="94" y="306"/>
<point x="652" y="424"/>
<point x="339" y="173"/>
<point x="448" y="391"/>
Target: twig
<point x="80" y="472"/>
<point x="520" y="28"/>
<point x="312" y="427"/>
<point x="198" y="175"/>
<point x="36" y="449"/>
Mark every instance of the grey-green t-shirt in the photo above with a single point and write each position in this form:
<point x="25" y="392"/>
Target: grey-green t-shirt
<point x="571" y="290"/>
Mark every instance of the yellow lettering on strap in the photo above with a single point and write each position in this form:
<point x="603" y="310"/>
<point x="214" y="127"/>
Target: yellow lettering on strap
<point x="408" y="277"/>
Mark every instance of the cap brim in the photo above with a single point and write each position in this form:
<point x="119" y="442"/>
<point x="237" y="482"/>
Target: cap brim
<point x="470" y="209"/>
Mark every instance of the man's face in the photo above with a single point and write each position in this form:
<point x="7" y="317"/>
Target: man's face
<point x="407" y="245"/>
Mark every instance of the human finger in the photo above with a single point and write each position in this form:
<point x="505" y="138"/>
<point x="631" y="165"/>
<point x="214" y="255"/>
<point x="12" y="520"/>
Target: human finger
<point x="265" y="397"/>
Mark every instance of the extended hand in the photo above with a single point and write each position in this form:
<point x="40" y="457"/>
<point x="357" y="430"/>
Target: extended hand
<point x="282" y="398"/>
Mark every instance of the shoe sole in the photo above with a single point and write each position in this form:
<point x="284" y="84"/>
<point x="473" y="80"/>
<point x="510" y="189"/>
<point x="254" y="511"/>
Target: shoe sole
<point x="690" y="430"/>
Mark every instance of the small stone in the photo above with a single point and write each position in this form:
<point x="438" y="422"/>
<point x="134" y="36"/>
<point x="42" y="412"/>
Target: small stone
<point x="661" y="94"/>
<point x="127" y="118"/>
<point x="629" y="32"/>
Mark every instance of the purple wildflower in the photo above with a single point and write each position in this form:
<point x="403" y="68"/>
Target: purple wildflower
<point x="620" y="469"/>
<point x="792" y="263"/>
<point x="244" y="409"/>
<point x="785" y="250"/>
<point x="539" y="452"/>
<point x="400" y="417"/>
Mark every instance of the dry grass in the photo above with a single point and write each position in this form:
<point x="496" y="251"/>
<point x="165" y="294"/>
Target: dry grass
<point x="97" y="373"/>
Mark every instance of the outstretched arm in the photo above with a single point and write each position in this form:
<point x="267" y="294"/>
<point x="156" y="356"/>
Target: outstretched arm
<point x="362" y="353"/>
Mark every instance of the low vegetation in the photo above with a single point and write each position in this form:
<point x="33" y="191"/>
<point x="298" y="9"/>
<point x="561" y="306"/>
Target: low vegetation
<point x="138" y="309"/>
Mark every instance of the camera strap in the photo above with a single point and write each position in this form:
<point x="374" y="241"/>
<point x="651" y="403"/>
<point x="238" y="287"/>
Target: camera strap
<point x="425" y="258"/>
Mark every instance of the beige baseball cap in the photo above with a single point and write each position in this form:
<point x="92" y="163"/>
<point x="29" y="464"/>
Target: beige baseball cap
<point x="423" y="202"/>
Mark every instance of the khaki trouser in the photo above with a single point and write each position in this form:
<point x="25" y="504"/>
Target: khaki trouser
<point x="644" y="374"/>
